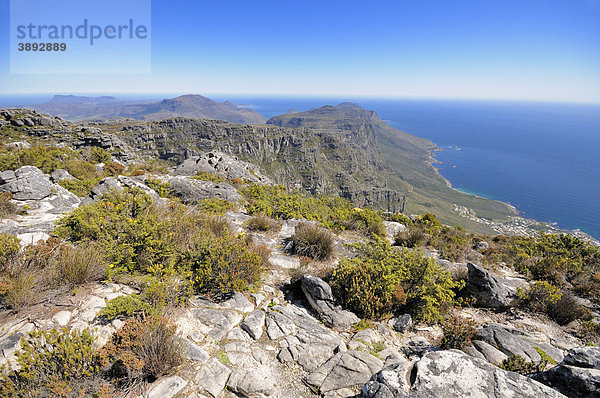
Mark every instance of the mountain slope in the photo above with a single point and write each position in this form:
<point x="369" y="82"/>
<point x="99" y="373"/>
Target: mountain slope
<point x="405" y="162"/>
<point x="191" y="106"/>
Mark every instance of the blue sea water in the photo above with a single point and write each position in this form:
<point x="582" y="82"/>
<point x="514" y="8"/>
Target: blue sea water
<point x="543" y="158"/>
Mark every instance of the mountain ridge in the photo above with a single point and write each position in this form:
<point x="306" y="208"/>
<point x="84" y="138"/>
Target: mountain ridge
<point x="79" y="108"/>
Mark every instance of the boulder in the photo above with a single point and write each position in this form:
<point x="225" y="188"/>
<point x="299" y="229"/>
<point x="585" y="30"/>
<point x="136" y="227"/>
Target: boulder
<point x="7" y="176"/>
<point x="452" y="374"/>
<point x="212" y="377"/>
<point x="319" y="295"/>
<point x="345" y="369"/>
<point x="572" y="381"/>
<point x="61" y="174"/>
<point x="489" y="290"/>
<point x="583" y="357"/>
<point x="192" y="191"/>
<point x="222" y="164"/>
<point x="509" y="340"/>
<point x="301" y="337"/>
<point x="216" y="323"/>
<point x="489" y="352"/>
<point x="250" y="384"/>
<point x="105" y="185"/>
<point x="167" y="387"/>
<point x="29" y="184"/>
<point x="254" y="323"/>
<point x="401" y="323"/>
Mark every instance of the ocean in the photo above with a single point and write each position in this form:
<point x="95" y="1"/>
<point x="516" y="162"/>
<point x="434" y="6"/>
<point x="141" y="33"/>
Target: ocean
<point x="542" y="158"/>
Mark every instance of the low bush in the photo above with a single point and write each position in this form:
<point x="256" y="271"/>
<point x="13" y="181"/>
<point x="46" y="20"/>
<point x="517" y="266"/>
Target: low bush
<point x="142" y="350"/>
<point x="18" y="276"/>
<point x="51" y="364"/>
<point x="126" y="307"/>
<point x="163" y="189"/>
<point x="80" y="187"/>
<point x="368" y="221"/>
<point x="10" y="247"/>
<point x="263" y="223"/>
<point x="540" y="296"/>
<point x="312" y="241"/>
<point x="215" y="206"/>
<point x="222" y="265"/>
<point x="567" y="309"/>
<point x="80" y="264"/>
<point x="382" y="280"/>
<point x="458" y="332"/>
<point x="411" y="237"/>
<point x="518" y="364"/>
<point x="206" y="176"/>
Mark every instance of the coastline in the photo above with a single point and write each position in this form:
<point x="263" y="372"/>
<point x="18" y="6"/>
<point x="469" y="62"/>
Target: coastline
<point x="517" y="225"/>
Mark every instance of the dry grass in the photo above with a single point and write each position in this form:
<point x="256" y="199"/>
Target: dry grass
<point x="312" y="241"/>
<point x="412" y="237"/>
<point x="78" y="265"/>
<point x="7" y="208"/>
<point x="262" y="223"/>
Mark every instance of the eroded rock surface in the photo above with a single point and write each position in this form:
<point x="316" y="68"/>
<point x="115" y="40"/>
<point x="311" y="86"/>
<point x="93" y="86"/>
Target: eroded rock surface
<point x="452" y="374"/>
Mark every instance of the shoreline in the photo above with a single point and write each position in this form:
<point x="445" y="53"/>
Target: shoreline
<point x="517" y="224"/>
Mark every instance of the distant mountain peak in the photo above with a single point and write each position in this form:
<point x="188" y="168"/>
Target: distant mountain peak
<point x="193" y="106"/>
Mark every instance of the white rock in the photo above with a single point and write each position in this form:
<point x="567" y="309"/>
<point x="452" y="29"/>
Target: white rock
<point x="213" y="377"/>
<point x="62" y="318"/>
<point x="167" y="388"/>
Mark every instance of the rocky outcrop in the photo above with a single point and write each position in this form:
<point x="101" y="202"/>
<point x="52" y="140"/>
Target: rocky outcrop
<point x="489" y="291"/>
<point x="227" y="166"/>
<point x="345" y="369"/>
<point x="583" y="357"/>
<point x="26" y="183"/>
<point x="452" y="374"/>
<point x="319" y="295"/>
<point x="511" y="341"/>
<point x="192" y="191"/>
<point x="578" y="376"/>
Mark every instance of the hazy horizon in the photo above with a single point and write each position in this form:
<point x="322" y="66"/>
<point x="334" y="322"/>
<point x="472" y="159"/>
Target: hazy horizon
<point x="514" y="51"/>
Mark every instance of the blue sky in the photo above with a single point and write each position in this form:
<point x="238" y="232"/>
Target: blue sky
<point x="528" y="50"/>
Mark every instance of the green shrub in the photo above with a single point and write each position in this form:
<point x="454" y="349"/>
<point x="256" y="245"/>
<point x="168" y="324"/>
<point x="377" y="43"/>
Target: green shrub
<point x="125" y="227"/>
<point x="99" y="155"/>
<point x="126" y="307"/>
<point x="80" y="188"/>
<point x="9" y="250"/>
<point x="215" y="206"/>
<point x="540" y="296"/>
<point x="224" y="264"/>
<point x="312" y="241"/>
<point x="518" y="364"/>
<point x="206" y="176"/>
<point x="7" y="208"/>
<point x="277" y="202"/>
<point x="261" y="222"/>
<point x="458" y="332"/>
<point x="367" y="221"/>
<point x="381" y="280"/>
<point x="52" y="363"/>
<point x="163" y="189"/>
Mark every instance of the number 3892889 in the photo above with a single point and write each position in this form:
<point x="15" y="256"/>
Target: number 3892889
<point x="42" y="46"/>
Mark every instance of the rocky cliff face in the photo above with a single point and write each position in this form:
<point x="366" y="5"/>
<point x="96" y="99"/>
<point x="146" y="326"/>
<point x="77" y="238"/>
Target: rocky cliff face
<point x="328" y="161"/>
